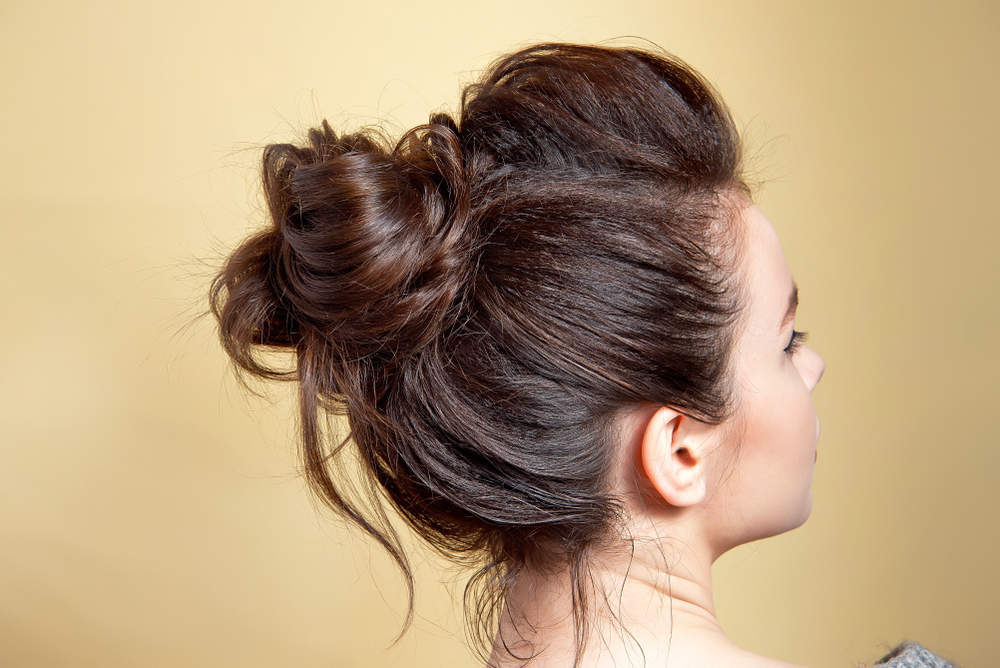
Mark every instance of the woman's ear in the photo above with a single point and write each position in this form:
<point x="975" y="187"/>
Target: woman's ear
<point x="673" y="457"/>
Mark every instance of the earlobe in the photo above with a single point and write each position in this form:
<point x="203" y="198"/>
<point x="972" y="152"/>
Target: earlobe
<point x="673" y="457"/>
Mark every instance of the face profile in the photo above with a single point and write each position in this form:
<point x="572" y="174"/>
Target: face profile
<point x="768" y="490"/>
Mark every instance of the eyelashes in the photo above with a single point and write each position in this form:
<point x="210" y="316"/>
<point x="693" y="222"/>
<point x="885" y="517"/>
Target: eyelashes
<point x="798" y="338"/>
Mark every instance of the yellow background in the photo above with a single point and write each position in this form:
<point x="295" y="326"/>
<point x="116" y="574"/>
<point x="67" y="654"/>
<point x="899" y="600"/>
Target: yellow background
<point x="149" y="513"/>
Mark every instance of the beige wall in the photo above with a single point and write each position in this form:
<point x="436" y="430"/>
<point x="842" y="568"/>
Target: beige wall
<point x="149" y="515"/>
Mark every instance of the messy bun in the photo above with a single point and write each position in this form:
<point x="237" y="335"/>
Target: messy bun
<point x="368" y="250"/>
<point x="485" y="297"/>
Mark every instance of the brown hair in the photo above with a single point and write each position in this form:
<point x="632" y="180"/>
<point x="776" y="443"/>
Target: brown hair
<point x="483" y="298"/>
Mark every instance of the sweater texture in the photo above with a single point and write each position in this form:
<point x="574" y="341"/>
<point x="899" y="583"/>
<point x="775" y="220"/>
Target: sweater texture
<point x="912" y="655"/>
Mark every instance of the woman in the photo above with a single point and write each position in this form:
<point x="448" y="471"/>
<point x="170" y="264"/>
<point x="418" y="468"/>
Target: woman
<point x="563" y="338"/>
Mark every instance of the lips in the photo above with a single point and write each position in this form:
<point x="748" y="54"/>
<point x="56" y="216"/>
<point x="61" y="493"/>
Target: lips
<point x="818" y="429"/>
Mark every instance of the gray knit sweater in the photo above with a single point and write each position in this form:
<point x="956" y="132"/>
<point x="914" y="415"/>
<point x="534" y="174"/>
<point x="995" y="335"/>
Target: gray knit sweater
<point x="912" y="655"/>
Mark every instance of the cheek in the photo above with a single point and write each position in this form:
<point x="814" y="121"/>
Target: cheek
<point x="785" y="424"/>
<point x="778" y="452"/>
<point x="779" y="494"/>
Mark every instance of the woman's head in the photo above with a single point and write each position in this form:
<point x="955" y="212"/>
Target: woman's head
<point x="486" y="298"/>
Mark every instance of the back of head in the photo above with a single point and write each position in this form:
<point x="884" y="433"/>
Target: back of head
<point x="484" y="297"/>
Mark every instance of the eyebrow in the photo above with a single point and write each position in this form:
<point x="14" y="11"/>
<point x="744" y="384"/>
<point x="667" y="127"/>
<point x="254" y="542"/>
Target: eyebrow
<point x="793" y="305"/>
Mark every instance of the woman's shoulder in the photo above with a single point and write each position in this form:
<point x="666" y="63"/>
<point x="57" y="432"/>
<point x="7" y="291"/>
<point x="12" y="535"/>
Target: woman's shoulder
<point x="912" y="655"/>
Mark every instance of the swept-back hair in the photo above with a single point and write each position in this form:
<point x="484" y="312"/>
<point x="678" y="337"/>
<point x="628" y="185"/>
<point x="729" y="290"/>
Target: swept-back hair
<point x="485" y="296"/>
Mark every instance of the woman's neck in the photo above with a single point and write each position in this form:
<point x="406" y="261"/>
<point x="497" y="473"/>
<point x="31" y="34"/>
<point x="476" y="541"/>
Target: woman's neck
<point x="647" y="608"/>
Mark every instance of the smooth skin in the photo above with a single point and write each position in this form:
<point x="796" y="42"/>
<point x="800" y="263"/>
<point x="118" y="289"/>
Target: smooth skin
<point x="694" y="491"/>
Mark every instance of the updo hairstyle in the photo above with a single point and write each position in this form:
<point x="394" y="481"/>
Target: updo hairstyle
<point x="483" y="298"/>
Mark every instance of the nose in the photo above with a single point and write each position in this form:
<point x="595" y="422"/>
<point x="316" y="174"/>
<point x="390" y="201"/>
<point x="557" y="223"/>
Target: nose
<point x="812" y="367"/>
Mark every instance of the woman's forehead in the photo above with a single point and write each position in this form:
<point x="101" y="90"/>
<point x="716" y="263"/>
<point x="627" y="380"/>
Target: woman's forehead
<point x="773" y="293"/>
